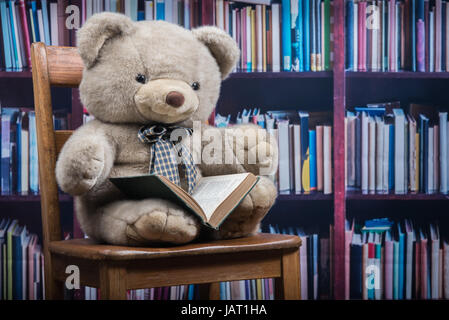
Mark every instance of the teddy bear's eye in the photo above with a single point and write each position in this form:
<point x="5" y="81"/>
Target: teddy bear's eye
<point x="195" y="86"/>
<point x="141" y="78"/>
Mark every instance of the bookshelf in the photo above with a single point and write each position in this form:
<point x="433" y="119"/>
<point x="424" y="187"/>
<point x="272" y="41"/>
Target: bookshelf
<point x="316" y="91"/>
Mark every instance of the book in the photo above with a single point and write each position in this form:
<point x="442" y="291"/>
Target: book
<point x="213" y="199"/>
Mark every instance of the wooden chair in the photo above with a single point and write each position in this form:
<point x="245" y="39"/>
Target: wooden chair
<point x="115" y="269"/>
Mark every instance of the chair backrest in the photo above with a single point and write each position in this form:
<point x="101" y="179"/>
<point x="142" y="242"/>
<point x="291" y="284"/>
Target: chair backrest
<point x="51" y="66"/>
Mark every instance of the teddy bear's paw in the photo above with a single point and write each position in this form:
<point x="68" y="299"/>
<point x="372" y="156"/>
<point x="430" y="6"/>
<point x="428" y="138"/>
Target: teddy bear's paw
<point x="161" y="226"/>
<point x="79" y="173"/>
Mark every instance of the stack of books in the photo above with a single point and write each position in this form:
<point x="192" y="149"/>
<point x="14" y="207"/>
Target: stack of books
<point x="392" y="35"/>
<point x="396" y="260"/>
<point x="19" y="160"/>
<point x="21" y="263"/>
<point x="389" y="150"/>
<point x="305" y="146"/>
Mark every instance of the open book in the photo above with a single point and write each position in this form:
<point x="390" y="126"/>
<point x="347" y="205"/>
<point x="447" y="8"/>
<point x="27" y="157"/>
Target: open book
<point x="213" y="199"/>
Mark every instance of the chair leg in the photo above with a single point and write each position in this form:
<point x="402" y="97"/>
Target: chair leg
<point x="210" y="291"/>
<point x="112" y="282"/>
<point x="288" y="286"/>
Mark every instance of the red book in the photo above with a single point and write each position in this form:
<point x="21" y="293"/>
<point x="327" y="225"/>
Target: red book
<point x="25" y="31"/>
<point x="207" y="12"/>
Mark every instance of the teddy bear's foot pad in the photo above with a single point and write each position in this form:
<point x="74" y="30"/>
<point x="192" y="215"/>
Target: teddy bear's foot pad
<point x="158" y="226"/>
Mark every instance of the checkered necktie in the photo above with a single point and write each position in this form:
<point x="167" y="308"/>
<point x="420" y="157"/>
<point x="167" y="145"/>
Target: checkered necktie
<point x="163" y="160"/>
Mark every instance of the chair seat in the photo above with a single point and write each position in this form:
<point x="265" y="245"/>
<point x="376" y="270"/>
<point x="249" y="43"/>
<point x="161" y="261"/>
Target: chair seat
<point x="88" y="249"/>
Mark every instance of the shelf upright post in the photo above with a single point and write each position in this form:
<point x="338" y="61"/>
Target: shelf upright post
<point x="339" y="150"/>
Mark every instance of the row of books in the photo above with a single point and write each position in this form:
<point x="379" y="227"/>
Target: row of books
<point x="393" y="35"/>
<point x="315" y="260"/>
<point x="23" y="22"/>
<point x="294" y="35"/>
<point x="305" y="146"/>
<point x="389" y="150"/>
<point x="19" y="172"/>
<point x="396" y="260"/>
<point x="21" y="263"/>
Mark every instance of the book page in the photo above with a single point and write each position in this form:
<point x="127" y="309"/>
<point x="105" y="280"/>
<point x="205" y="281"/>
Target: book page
<point x="212" y="191"/>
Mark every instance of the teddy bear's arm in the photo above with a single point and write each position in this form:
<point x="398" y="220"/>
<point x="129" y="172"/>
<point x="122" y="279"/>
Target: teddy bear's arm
<point x="85" y="160"/>
<point x="244" y="148"/>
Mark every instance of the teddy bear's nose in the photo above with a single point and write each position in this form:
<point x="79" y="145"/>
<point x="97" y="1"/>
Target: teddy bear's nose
<point x="175" y="99"/>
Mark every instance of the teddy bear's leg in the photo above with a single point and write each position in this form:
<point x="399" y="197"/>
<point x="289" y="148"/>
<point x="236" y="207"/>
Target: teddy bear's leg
<point x="245" y="219"/>
<point x="142" y="222"/>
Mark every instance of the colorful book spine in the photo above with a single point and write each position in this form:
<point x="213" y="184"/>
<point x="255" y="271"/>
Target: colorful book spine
<point x="313" y="159"/>
<point x="286" y="36"/>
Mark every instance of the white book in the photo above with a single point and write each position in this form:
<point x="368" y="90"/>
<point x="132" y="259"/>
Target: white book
<point x="168" y="10"/>
<point x="226" y="17"/>
<point x="435" y="261"/>
<point x="234" y="25"/>
<point x="380" y="131"/>
<point x="364" y="156"/>
<point x="276" y="46"/>
<point x="412" y="153"/>
<point x="386" y="154"/>
<point x="430" y="162"/>
<point x="174" y="15"/>
<point x="89" y="8"/>
<point x="219" y="9"/>
<point x="399" y="151"/>
<point x="107" y="5"/>
<point x="443" y="152"/>
<point x="374" y="38"/>
<point x="54" y="23"/>
<point x="259" y="36"/>
<point x="297" y="156"/>
<point x="284" y="156"/>
<point x="327" y="159"/>
<point x="127" y="8"/>
<point x="372" y="156"/>
<point x="149" y="9"/>
<point x="355" y="33"/>
<point x="40" y="20"/>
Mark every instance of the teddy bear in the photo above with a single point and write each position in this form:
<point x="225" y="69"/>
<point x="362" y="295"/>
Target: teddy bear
<point x="149" y="74"/>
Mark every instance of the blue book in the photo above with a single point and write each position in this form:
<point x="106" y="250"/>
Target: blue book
<point x="140" y="15"/>
<point x="391" y="159"/>
<point x="46" y="22"/>
<point x="8" y="115"/>
<point x="371" y="111"/>
<point x="286" y="36"/>
<point x="401" y="264"/>
<point x="312" y="150"/>
<point x="350" y="35"/>
<point x="34" y="166"/>
<point x="420" y="9"/>
<point x="113" y="6"/>
<point x="6" y="36"/>
<point x="443" y="35"/>
<point x="413" y="32"/>
<point x="306" y="29"/>
<point x="222" y="291"/>
<point x="36" y="25"/>
<point x="300" y="38"/>
<point x="191" y="294"/>
<point x="160" y="10"/>
<point x="14" y="42"/>
<point x="19" y="241"/>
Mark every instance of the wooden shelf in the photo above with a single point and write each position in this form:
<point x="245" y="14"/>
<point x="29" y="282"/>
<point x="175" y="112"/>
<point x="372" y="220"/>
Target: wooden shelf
<point x="357" y="195"/>
<point x="300" y="197"/>
<point x="31" y="198"/>
<point x="11" y="74"/>
<point x="397" y="75"/>
<point x="279" y="75"/>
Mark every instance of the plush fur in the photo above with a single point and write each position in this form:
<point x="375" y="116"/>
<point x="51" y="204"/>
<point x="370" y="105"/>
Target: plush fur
<point x="115" y="50"/>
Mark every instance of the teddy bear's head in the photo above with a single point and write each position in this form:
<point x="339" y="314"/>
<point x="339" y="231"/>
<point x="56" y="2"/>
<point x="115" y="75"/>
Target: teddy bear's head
<point x="152" y="71"/>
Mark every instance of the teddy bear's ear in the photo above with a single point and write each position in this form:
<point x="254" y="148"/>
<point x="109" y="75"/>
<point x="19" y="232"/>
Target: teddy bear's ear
<point x="97" y="29"/>
<point x="221" y="45"/>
